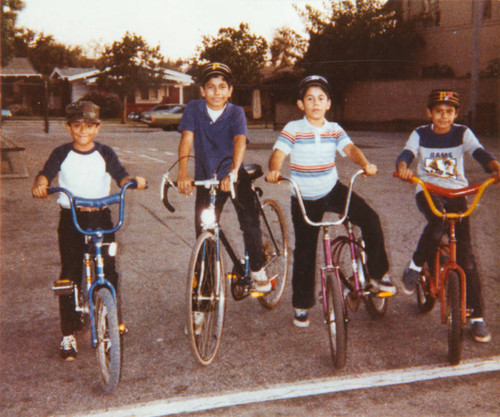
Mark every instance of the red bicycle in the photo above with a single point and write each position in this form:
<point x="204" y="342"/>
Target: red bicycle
<point x="447" y="281"/>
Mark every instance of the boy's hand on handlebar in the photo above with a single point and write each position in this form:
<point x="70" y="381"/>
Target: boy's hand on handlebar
<point x="141" y="183"/>
<point x="185" y="185"/>
<point x="225" y="184"/>
<point x="405" y="173"/>
<point x="273" y="177"/>
<point x="40" y="191"/>
<point x="370" y="169"/>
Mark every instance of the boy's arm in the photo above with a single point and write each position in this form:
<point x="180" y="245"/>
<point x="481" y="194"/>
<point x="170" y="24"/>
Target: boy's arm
<point x="356" y="156"/>
<point x="240" y="146"/>
<point x="184" y="181"/>
<point x="275" y="163"/>
<point x="40" y="186"/>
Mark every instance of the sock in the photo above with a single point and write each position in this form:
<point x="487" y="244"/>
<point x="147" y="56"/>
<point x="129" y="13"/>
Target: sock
<point x="415" y="267"/>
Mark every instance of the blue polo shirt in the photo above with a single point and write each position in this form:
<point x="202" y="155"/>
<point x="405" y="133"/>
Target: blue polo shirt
<point x="213" y="141"/>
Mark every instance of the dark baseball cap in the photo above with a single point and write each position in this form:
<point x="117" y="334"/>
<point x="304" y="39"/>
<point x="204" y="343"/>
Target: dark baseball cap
<point x="443" y="96"/>
<point x="215" y="69"/>
<point x="82" y="111"/>
<point x="316" y="80"/>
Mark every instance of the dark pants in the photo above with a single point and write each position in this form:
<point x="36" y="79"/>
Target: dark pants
<point x="431" y="236"/>
<point x="246" y="210"/>
<point x="306" y="238"/>
<point x="71" y="248"/>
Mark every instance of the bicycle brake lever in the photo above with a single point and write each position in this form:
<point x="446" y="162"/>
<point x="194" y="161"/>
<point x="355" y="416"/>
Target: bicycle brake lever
<point x="166" y="185"/>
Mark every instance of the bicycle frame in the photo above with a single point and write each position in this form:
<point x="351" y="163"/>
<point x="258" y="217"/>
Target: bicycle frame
<point x="330" y="264"/>
<point x="94" y="240"/>
<point x="439" y="278"/>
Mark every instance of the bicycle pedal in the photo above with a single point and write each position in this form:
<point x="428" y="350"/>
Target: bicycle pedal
<point x="256" y="294"/>
<point x="122" y="329"/>
<point x="63" y="287"/>
<point x="384" y="294"/>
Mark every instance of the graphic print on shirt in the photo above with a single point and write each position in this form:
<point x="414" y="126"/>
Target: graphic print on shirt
<point x="441" y="166"/>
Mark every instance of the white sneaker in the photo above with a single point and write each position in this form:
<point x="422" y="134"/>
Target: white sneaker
<point x="260" y="280"/>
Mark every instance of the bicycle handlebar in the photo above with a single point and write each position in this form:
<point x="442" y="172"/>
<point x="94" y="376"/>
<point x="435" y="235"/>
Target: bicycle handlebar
<point x="298" y="194"/>
<point x="167" y="183"/>
<point x="76" y="201"/>
<point x="428" y="188"/>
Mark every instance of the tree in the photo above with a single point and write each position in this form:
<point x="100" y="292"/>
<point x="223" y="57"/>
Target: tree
<point x="45" y="53"/>
<point x="287" y="47"/>
<point x="243" y="51"/>
<point x="10" y="9"/>
<point x="358" y="40"/>
<point x="129" y="65"/>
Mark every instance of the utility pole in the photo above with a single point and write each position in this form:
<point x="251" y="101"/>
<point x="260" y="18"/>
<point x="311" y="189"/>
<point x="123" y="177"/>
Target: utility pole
<point x="474" y="82"/>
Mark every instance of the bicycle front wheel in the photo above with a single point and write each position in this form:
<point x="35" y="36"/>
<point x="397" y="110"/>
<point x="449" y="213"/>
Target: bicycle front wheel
<point x="275" y="249"/>
<point x="108" y="348"/>
<point x="453" y="309"/>
<point x="205" y="299"/>
<point x="336" y="321"/>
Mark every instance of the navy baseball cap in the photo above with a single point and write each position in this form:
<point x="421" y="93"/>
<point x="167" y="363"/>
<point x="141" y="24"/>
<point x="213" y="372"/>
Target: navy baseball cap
<point x="316" y="80"/>
<point x="214" y="69"/>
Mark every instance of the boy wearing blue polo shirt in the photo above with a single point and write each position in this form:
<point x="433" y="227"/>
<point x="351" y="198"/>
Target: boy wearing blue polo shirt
<point x="217" y="130"/>
<point x="312" y="143"/>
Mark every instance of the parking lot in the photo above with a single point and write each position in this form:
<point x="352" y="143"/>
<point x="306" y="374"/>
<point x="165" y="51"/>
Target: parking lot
<point x="259" y="348"/>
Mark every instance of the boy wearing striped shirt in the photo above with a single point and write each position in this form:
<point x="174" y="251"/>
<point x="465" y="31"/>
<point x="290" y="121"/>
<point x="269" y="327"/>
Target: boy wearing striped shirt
<point x="312" y="143"/>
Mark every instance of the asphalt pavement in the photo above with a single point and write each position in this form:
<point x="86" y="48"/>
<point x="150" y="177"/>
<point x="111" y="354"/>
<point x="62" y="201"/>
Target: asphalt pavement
<point x="260" y="349"/>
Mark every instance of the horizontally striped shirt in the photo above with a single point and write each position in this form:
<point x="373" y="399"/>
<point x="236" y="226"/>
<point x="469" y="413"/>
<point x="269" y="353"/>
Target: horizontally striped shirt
<point x="312" y="153"/>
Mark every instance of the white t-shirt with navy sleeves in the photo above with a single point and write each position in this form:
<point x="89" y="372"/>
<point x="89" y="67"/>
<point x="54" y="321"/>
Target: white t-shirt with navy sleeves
<point x="84" y="174"/>
<point x="312" y="153"/>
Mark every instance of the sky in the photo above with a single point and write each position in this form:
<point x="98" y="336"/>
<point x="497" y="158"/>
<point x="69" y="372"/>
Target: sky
<point x="176" y="25"/>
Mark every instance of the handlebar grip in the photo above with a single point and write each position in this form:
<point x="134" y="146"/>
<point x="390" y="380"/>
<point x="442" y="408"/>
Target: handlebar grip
<point x="166" y="186"/>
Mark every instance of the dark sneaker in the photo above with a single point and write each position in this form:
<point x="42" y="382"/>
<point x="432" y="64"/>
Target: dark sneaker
<point x="410" y="279"/>
<point x="300" y="319"/>
<point x="68" y="348"/>
<point x="383" y="285"/>
<point x="480" y="332"/>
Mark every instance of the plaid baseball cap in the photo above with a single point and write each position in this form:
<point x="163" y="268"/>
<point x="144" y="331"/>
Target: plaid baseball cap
<point x="82" y="111"/>
<point x="215" y="69"/>
<point x="316" y="80"/>
<point x="443" y="97"/>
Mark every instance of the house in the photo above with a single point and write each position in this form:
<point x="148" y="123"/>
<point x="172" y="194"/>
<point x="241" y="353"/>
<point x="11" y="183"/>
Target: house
<point x="70" y="84"/>
<point x="22" y="87"/>
<point x="172" y="90"/>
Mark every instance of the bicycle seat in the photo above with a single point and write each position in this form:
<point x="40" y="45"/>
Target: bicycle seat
<point x="254" y="171"/>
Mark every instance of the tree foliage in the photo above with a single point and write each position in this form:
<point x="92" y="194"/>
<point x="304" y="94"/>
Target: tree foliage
<point x="10" y="9"/>
<point x="243" y="51"/>
<point x="129" y="65"/>
<point x="358" y="40"/>
<point x="45" y="53"/>
<point x="287" y="47"/>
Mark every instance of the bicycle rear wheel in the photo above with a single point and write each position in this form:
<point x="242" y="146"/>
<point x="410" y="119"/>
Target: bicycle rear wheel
<point x="108" y="347"/>
<point x="453" y="309"/>
<point x="205" y="299"/>
<point x="275" y="248"/>
<point x="336" y="321"/>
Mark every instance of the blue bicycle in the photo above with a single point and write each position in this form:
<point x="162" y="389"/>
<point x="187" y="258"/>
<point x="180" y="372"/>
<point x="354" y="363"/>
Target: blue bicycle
<point x="96" y="298"/>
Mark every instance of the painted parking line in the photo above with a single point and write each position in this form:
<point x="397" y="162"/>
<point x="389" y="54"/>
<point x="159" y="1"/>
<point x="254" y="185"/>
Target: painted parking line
<point x="298" y="389"/>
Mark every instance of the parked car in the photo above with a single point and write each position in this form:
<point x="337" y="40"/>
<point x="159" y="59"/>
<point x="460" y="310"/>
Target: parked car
<point x="6" y="114"/>
<point x="166" y="119"/>
<point x="159" y="107"/>
<point x="133" y="116"/>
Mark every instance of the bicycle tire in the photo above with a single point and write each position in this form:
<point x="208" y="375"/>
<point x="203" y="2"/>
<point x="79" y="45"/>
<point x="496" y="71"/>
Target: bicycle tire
<point x="336" y="321"/>
<point x="425" y="300"/>
<point x="108" y="349"/>
<point x="453" y="310"/>
<point x="209" y="299"/>
<point x="277" y="271"/>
